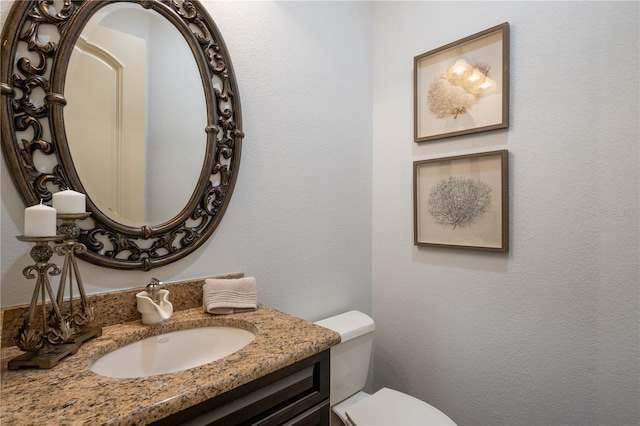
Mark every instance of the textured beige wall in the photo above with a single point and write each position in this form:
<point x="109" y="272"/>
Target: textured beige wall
<point x="547" y="334"/>
<point x="300" y="216"/>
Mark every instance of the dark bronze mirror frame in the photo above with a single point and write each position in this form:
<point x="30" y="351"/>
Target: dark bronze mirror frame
<point x="33" y="132"/>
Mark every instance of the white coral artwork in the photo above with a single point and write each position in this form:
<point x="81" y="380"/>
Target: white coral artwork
<point x="459" y="201"/>
<point x="459" y="88"/>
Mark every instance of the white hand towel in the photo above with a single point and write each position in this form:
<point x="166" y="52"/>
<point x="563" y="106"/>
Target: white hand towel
<point x="227" y="296"/>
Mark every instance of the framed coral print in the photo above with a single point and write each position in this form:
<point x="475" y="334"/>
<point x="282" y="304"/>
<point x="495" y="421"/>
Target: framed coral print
<point x="462" y="202"/>
<point x="463" y="87"/>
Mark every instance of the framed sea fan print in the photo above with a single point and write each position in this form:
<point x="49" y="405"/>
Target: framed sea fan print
<point x="463" y="87"/>
<point x="462" y="201"/>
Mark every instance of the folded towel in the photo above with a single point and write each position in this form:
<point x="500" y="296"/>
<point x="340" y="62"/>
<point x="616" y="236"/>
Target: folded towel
<point x="228" y="296"/>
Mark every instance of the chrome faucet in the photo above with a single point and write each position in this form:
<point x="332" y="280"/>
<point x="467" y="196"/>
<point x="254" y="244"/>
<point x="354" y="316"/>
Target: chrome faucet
<point x="153" y="289"/>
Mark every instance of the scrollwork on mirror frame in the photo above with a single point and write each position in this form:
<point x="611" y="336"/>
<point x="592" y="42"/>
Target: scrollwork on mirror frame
<point x="34" y="141"/>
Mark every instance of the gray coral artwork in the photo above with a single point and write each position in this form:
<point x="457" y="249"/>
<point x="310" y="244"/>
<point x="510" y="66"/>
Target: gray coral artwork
<point x="459" y="88"/>
<point x="459" y="201"/>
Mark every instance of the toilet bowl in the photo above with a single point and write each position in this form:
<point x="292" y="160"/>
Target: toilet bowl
<point x="349" y="370"/>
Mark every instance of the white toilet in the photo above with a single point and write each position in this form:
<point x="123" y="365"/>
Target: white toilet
<point x="349" y="369"/>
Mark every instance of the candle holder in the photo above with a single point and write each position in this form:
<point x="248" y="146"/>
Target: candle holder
<point x="81" y="317"/>
<point x="44" y="345"/>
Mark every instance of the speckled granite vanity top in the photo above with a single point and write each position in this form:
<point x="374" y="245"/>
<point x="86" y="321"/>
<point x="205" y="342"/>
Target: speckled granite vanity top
<point x="70" y="393"/>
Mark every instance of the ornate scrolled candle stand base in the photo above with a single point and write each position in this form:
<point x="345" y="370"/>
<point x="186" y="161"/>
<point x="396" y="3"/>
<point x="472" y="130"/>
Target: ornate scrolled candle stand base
<point x="81" y="317"/>
<point x="45" y="343"/>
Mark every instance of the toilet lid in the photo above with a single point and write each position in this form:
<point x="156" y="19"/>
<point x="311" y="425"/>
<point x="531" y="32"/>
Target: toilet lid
<point x="389" y="407"/>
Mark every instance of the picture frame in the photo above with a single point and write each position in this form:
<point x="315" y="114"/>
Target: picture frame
<point x="462" y="201"/>
<point x="463" y="87"/>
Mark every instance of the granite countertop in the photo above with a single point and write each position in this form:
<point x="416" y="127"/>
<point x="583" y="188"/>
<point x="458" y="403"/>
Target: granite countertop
<point x="70" y="393"/>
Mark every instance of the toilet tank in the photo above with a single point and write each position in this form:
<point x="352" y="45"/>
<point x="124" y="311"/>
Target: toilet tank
<point x="350" y="358"/>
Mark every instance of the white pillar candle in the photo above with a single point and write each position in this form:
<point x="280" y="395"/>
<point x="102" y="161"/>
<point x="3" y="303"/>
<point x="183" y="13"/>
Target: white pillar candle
<point x="69" y="201"/>
<point x="39" y="221"/>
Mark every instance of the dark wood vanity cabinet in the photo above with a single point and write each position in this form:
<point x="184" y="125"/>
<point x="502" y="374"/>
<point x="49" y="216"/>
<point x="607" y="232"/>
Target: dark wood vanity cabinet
<point x="294" y="395"/>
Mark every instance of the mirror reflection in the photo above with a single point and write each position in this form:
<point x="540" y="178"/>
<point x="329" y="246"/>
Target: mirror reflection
<point x="136" y="115"/>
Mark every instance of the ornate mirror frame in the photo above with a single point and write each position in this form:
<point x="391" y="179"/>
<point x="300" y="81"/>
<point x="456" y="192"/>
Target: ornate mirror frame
<point x="32" y="104"/>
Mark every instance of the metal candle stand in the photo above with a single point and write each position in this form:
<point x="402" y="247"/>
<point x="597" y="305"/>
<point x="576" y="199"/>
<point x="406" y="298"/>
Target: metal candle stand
<point x="45" y="346"/>
<point x="60" y="331"/>
<point x="82" y="318"/>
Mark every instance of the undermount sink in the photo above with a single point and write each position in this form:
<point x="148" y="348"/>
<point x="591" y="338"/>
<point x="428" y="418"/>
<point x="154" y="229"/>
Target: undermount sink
<point x="171" y="352"/>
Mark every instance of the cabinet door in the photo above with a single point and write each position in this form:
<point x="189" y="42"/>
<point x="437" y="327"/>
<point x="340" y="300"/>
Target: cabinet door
<point x="295" y="395"/>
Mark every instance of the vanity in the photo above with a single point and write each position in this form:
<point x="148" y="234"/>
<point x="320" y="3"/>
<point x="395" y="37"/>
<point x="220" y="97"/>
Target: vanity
<point x="281" y="377"/>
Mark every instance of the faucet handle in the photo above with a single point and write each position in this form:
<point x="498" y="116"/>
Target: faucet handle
<point x="154" y="283"/>
<point x="153" y="288"/>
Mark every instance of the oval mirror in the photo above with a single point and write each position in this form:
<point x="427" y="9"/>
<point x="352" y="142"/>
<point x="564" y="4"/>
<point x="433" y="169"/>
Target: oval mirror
<point x="151" y="133"/>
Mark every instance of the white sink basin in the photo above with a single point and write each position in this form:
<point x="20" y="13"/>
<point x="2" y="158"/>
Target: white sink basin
<point x="171" y="352"/>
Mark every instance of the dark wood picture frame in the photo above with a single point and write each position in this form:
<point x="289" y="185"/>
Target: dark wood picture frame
<point x="463" y="87"/>
<point x="462" y="201"/>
